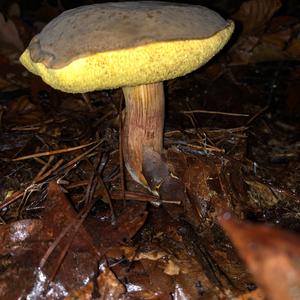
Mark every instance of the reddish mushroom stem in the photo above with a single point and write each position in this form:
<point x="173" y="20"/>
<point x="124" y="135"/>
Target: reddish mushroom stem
<point x="144" y="123"/>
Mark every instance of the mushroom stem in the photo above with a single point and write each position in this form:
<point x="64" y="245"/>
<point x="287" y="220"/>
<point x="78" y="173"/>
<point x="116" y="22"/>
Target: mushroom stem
<point x="144" y="123"/>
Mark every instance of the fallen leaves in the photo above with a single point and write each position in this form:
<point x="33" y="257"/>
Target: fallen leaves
<point x="10" y="40"/>
<point x="175" y="249"/>
<point x="271" y="254"/>
<point x="50" y="242"/>
<point x="265" y="37"/>
<point x="255" y="15"/>
<point x="109" y="286"/>
<point x="26" y="242"/>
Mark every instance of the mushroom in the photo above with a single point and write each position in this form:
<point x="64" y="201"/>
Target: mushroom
<point x="132" y="45"/>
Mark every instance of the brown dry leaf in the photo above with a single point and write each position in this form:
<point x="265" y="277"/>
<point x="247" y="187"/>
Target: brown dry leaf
<point x="271" y="254"/>
<point x="109" y="286"/>
<point x="127" y="225"/>
<point x="254" y="14"/>
<point x="280" y="41"/>
<point x="10" y="41"/>
<point x="84" y="293"/>
<point x="167" y="272"/>
<point x="280" y="31"/>
<point x="262" y="194"/>
<point x="253" y="295"/>
<point x="258" y="43"/>
<point x="254" y="44"/>
<point x="212" y="183"/>
<point x="171" y="267"/>
<point x="24" y="244"/>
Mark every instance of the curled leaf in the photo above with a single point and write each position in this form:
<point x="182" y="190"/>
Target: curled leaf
<point x="254" y="14"/>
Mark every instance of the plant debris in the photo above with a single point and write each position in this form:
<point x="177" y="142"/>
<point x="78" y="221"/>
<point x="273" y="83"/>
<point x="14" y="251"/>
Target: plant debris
<point x="223" y="222"/>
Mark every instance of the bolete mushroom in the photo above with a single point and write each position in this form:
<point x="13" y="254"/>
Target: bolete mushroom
<point x="132" y="45"/>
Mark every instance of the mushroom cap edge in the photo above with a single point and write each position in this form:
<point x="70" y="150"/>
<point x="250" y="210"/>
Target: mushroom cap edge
<point x="146" y="64"/>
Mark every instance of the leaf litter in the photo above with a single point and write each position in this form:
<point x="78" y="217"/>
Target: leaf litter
<point x="75" y="226"/>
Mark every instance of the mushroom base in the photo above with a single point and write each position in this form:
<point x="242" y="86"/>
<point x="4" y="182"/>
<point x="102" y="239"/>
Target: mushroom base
<point x="143" y="128"/>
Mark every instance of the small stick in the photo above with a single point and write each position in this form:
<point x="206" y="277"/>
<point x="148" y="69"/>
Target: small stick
<point x="48" y="153"/>
<point x="197" y="129"/>
<point x="12" y="199"/>
<point x="213" y="113"/>
<point x="141" y="197"/>
<point x="44" y="168"/>
<point x="31" y="127"/>
<point x="70" y="163"/>
<point x="79" y="157"/>
<point x="205" y="148"/>
<point x="39" y="160"/>
<point x="257" y="114"/>
<point x="49" y="172"/>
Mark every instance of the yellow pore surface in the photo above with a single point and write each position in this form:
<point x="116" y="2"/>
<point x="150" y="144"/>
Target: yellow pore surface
<point x="130" y="67"/>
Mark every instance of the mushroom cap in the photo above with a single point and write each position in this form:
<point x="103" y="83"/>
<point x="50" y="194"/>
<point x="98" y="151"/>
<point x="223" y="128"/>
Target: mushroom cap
<point x="112" y="45"/>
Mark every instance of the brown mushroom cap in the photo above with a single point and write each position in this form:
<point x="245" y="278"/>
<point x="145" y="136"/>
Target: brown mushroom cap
<point x="106" y="27"/>
<point x="112" y="45"/>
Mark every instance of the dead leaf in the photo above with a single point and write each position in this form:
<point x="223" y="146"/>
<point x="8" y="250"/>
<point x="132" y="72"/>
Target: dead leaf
<point x="255" y="14"/>
<point x="253" y="295"/>
<point x="10" y="40"/>
<point x="84" y="293"/>
<point x="264" y="37"/>
<point x="24" y="244"/>
<point x="127" y="225"/>
<point x="261" y="194"/>
<point x="271" y="254"/>
<point x="109" y="286"/>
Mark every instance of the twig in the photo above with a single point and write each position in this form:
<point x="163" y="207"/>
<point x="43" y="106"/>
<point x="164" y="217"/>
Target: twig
<point x="12" y="200"/>
<point x="49" y="172"/>
<point x="40" y="161"/>
<point x="197" y="129"/>
<point x="206" y="148"/>
<point x="213" y="113"/>
<point x="105" y="191"/>
<point x="79" y="157"/>
<point x="257" y="115"/>
<point x="32" y="127"/>
<point x="26" y="195"/>
<point x="141" y="197"/>
<point x="96" y="178"/>
<point x="54" y="152"/>
<point x="70" y="163"/>
<point x="44" y="168"/>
